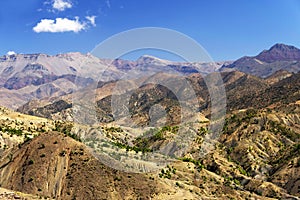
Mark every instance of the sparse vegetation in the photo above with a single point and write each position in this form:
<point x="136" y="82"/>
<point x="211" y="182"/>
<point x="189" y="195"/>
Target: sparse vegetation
<point x="197" y="163"/>
<point x="131" y="148"/>
<point x="42" y="155"/>
<point x="167" y="173"/>
<point x="154" y="135"/>
<point x="242" y="171"/>
<point x="11" y="131"/>
<point x="31" y="162"/>
<point x="63" y="153"/>
<point x="42" y="146"/>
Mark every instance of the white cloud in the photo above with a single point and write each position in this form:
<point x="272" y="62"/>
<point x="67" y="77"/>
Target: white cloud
<point x="91" y="19"/>
<point x="61" y="5"/>
<point x="59" y="25"/>
<point x="10" y="53"/>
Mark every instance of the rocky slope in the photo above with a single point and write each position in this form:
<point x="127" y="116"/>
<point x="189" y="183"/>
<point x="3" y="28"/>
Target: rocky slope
<point x="283" y="92"/>
<point x="53" y="165"/>
<point x="143" y="98"/>
<point x="278" y="76"/>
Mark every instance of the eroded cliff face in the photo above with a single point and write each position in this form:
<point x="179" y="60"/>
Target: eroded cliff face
<point x="52" y="165"/>
<point x="265" y="143"/>
<point x="38" y="166"/>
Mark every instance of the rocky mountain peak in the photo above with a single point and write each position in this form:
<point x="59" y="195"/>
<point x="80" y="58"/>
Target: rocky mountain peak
<point x="278" y="57"/>
<point x="283" y="47"/>
<point x="147" y="59"/>
<point x="280" y="52"/>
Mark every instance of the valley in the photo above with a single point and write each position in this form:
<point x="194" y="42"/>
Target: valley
<point x="65" y="134"/>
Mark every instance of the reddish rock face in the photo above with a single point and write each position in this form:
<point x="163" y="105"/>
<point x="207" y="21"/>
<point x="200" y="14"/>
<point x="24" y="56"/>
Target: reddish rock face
<point x="280" y="52"/>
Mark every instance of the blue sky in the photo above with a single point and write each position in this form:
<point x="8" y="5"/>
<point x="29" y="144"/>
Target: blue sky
<point x="226" y="29"/>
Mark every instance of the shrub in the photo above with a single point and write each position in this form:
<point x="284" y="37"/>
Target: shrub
<point x="242" y="171"/>
<point x="298" y="163"/>
<point x="62" y="153"/>
<point x="198" y="163"/>
<point x="12" y="131"/>
<point x="42" y="146"/>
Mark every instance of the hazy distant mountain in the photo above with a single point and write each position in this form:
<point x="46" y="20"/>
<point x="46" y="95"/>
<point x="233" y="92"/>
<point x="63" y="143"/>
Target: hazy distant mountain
<point x="278" y="57"/>
<point x="35" y="76"/>
<point x="25" y="77"/>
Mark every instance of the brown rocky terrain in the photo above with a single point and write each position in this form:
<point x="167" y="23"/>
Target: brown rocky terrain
<point x="6" y="194"/>
<point x="257" y="152"/>
<point x="52" y="155"/>
<point x="141" y="100"/>
<point x="55" y="166"/>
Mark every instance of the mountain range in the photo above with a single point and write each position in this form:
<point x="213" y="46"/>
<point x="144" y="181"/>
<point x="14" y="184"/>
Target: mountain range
<point x="24" y="77"/>
<point x="47" y="153"/>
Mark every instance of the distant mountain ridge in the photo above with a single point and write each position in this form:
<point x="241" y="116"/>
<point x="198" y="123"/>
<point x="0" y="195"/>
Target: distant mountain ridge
<point x="24" y="77"/>
<point x="33" y="76"/>
<point x="278" y="57"/>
